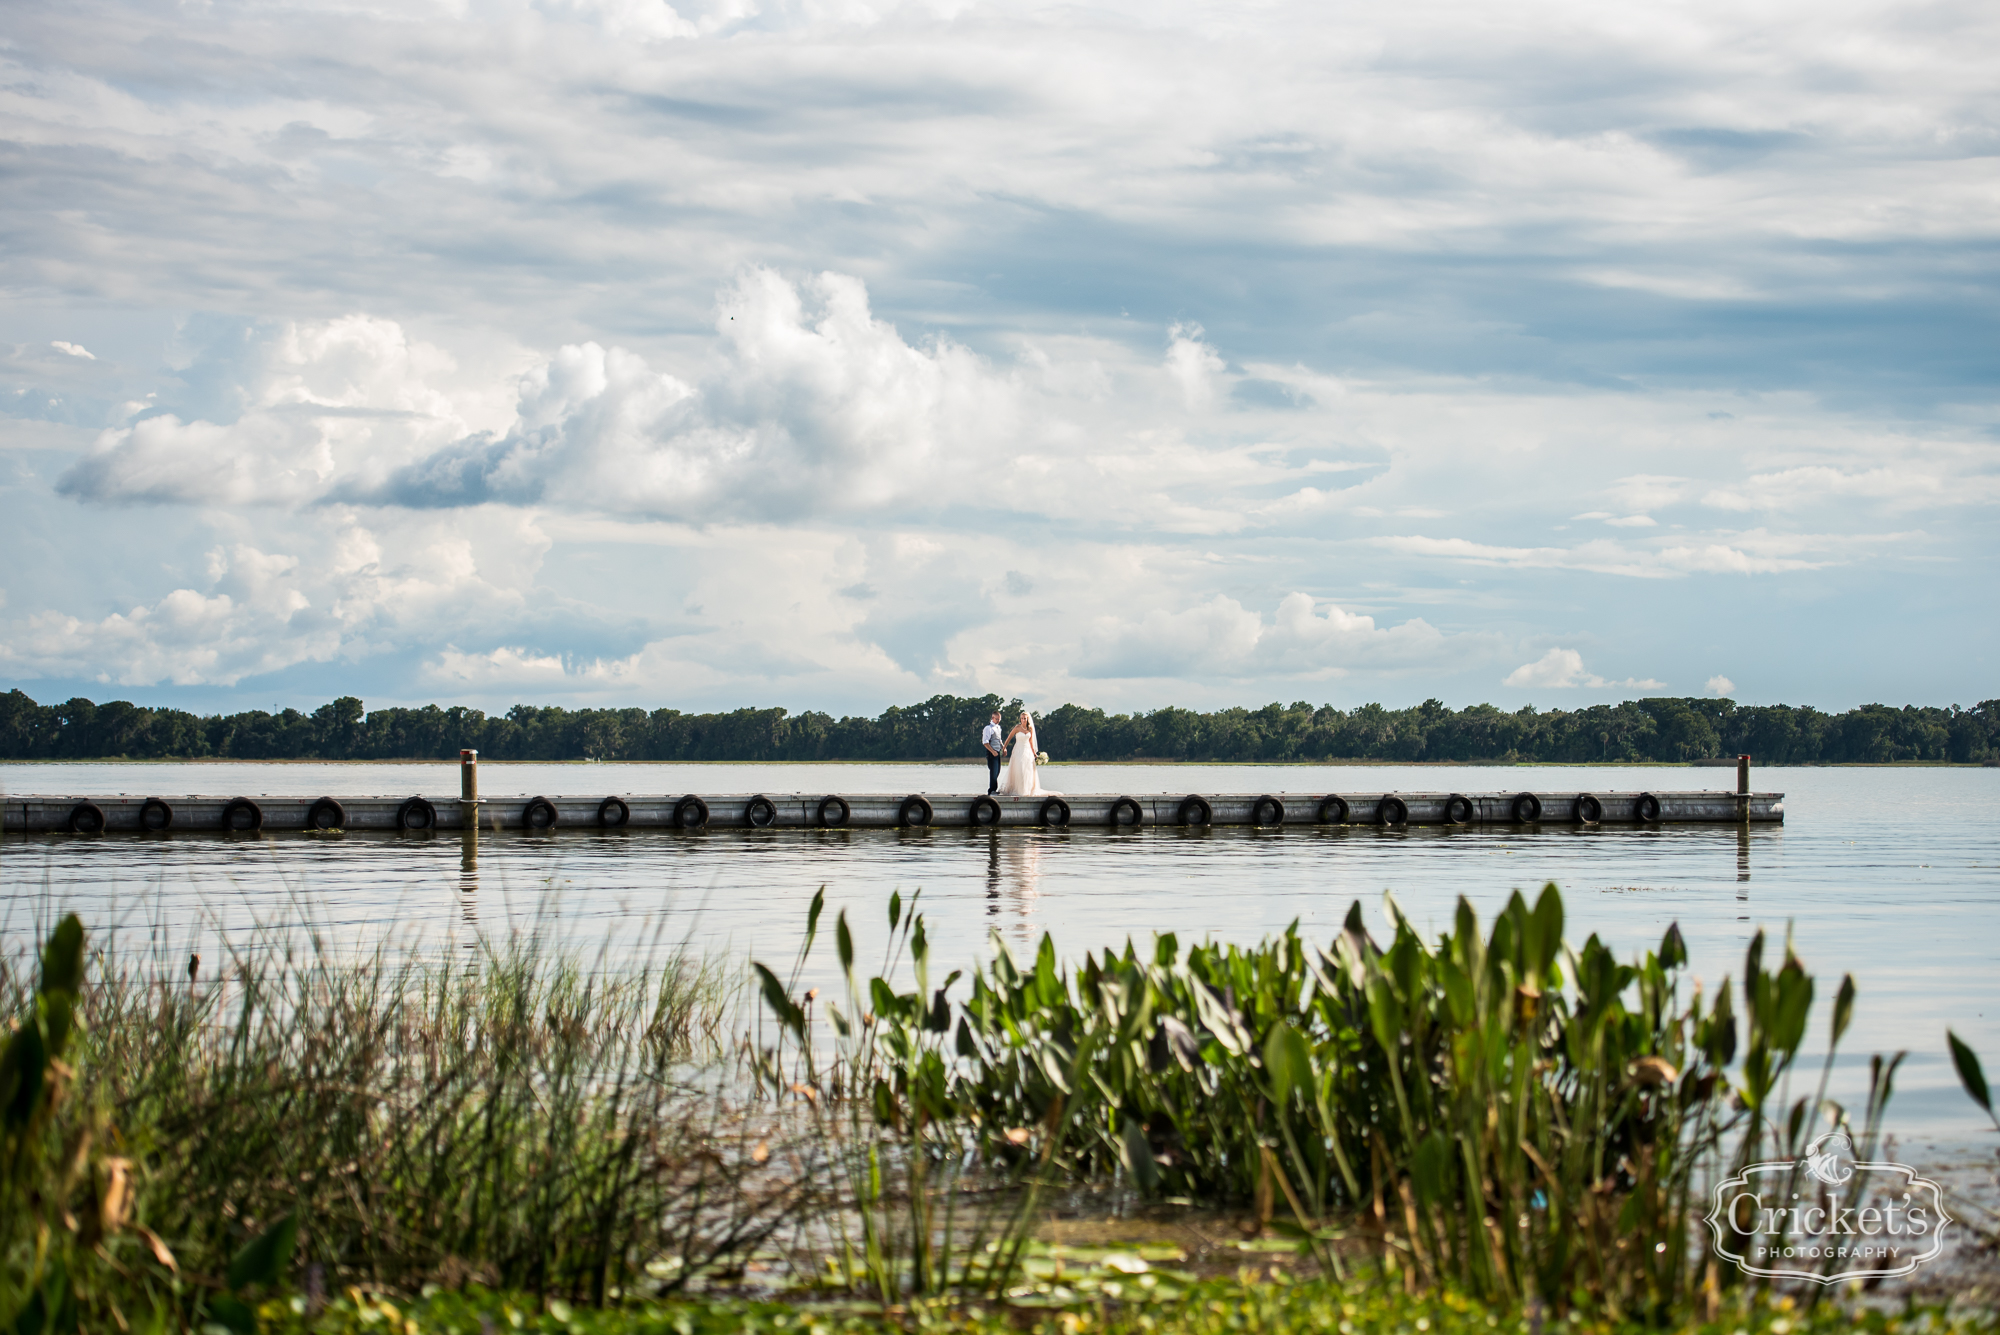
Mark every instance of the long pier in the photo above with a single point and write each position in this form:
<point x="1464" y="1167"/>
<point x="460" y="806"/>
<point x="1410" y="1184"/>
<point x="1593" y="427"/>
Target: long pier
<point x="79" y="814"/>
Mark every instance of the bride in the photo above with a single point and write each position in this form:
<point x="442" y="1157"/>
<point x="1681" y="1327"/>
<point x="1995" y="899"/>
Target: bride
<point x="1020" y="780"/>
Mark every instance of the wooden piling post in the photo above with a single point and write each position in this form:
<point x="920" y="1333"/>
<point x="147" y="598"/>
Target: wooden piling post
<point x="1743" y="787"/>
<point x="468" y="809"/>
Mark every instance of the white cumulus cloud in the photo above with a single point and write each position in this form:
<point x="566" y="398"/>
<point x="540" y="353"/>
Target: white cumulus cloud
<point x="1563" y="669"/>
<point x="1221" y="637"/>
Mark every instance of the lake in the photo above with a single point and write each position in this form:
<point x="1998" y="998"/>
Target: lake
<point x="1891" y="874"/>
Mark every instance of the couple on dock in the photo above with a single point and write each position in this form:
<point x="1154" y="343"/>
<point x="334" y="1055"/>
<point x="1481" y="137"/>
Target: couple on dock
<point x="1021" y="779"/>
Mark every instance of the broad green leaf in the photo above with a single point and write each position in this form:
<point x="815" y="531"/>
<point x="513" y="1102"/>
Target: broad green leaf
<point x="23" y="1067"/>
<point x="1288" y="1061"/>
<point x="58" y="1018"/>
<point x="1137" y="1155"/>
<point x="62" y="961"/>
<point x="1673" y="948"/>
<point x="1843" y="1007"/>
<point x="781" y="1005"/>
<point x="812" y="919"/>
<point x="232" y="1315"/>
<point x="1431" y="1169"/>
<point x="1969" y="1073"/>
<point x="1545" y="931"/>
<point x="1795" y="995"/>
<point x="264" y="1258"/>
<point x="1385" y="1014"/>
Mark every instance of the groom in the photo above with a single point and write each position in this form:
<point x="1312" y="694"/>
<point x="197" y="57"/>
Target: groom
<point x="991" y="740"/>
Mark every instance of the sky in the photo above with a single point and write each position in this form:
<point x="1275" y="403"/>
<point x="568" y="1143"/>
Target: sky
<point x="837" y="354"/>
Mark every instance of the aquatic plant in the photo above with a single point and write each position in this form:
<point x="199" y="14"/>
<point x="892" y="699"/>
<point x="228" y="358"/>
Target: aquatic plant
<point x="1496" y="1111"/>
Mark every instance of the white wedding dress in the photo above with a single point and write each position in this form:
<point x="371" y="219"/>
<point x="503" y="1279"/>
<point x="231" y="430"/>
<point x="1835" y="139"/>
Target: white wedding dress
<point x="1021" y="778"/>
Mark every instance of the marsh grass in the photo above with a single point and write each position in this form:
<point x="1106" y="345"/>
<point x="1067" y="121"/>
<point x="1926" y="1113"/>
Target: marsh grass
<point x="523" y="1118"/>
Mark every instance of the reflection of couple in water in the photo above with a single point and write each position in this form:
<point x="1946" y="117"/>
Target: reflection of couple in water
<point x="1020" y="778"/>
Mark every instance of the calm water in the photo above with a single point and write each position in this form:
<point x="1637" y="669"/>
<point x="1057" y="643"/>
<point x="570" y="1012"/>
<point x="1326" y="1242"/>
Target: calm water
<point x="1893" y="875"/>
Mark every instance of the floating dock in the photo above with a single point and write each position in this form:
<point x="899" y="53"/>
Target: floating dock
<point x="699" y="811"/>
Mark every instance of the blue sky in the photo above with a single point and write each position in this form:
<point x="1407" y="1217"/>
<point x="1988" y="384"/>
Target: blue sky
<point x="837" y="354"/>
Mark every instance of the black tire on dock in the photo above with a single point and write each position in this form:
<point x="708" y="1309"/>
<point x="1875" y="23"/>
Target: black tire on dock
<point x="915" y="813"/>
<point x="612" y="813"/>
<point x="1127" y="804"/>
<point x="1588" y="809"/>
<point x="690" y="813"/>
<point x="1054" y="813"/>
<point x="416" y="814"/>
<point x="833" y="812"/>
<point x="85" y="818"/>
<point x="1194" y="810"/>
<point x="984" y="811"/>
<point x="539" y="814"/>
<point x="155" y="814"/>
<point x="1527" y="809"/>
<point x="1458" y="810"/>
<point x="326" y="814"/>
<point x="1332" y="810"/>
<point x="761" y="814"/>
<point x="1647" y="808"/>
<point x="252" y="815"/>
<point x="1267" y="803"/>
<point x="1392" y="811"/>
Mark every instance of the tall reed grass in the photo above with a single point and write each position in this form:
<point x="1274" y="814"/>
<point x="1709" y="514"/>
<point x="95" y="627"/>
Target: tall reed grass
<point x="518" y="1119"/>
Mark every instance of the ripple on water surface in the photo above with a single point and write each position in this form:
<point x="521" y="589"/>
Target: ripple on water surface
<point x="1891" y="874"/>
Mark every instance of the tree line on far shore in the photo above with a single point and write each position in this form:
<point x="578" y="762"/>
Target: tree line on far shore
<point x="1666" y="729"/>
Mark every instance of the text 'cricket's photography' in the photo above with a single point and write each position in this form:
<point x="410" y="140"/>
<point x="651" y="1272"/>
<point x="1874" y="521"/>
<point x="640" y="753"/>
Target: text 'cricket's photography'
<point x="643" y="645"/>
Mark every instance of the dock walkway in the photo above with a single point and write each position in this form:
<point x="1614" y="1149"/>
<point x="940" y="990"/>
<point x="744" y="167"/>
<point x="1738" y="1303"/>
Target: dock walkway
<point x="92" y="814"/>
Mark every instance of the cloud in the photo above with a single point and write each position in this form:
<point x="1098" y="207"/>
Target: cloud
<point x="73" y="349"/>
<point x="1562" y="669"/>
<point x="1222" y="638"/>
<point x="805" y="404"/>
<point x="816" y="408"/>
<point x="1745" y="554"/>
<point x="645" y="20"/>
<point x="331" y="403"/>
<point x="1648" y="491"/>
<point x="1902" y="486"/>
<point x="1720" y="685"/>
<point x="1150" y="310"/>
<point x="344" y="591"/>
<point x="1193" y="365"/>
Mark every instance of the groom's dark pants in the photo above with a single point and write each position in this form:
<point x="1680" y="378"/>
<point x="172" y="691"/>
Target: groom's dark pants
<point x="992" y="773"/>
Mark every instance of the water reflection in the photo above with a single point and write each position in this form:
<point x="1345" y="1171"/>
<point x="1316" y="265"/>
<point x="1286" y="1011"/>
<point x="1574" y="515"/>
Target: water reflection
<point x="468" y="882"/>
<point x="1016" y="862"/>
<point x="1743" y="873"/>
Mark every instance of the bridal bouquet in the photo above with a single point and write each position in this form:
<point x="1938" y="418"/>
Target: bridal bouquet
<point x="1041" y="757"/>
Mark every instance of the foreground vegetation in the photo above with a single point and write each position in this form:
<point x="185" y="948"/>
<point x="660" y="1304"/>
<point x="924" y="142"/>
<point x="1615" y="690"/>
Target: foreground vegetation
<point x="1225" y="1307"/>
<point x="1492" y="1126"/>
<point x="1656" y="730"/>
